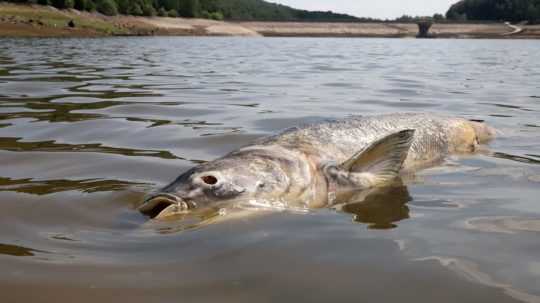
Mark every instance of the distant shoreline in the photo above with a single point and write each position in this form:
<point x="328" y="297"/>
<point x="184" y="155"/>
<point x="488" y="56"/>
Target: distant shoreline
<point x="391" y="30"/>
<point x="44" y="21"/>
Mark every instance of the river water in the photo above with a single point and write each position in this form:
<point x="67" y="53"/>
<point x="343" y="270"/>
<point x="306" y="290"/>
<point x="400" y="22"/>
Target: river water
<point x="87" y="127"/>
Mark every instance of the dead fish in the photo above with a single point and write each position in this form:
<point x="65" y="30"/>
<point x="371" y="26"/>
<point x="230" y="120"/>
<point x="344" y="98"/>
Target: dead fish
<point x="310" y="166"/>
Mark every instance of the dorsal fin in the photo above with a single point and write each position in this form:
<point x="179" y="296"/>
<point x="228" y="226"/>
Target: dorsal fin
<point x="384" y="158"/>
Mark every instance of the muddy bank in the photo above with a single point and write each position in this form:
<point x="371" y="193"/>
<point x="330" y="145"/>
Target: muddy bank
<point x="386" y="29"/>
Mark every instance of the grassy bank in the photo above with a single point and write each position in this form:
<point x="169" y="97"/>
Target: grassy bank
<point x="45" y="21"/>
<point x="26" y="20"/>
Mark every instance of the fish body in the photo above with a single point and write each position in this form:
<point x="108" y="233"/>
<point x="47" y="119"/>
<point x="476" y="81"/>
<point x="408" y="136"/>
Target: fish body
<point x="309" y="166"/>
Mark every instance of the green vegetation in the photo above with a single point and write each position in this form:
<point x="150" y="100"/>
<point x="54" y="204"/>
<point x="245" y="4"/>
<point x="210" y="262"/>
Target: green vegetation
<point x="212" y="9"/>
<point x="265" y="11"/>
<point x="54" y="19"/>
<point x="408" y="19"/>
<point x="107" y="7"/>
<point x="260" y="10"/>
<point x="496" y="10"/>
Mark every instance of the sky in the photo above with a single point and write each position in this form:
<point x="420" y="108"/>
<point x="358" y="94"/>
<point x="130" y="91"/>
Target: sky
<point x="383" y="9"/>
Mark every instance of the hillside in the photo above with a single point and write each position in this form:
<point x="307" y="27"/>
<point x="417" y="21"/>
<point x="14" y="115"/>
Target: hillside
<point x="496" y="10"/>
<point x="46" y="21"/>
<point x="266" y="11"/>
<point x="209" y="9"/>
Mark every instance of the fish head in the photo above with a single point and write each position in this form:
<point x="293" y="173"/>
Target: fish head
<point x="218" y="183"/>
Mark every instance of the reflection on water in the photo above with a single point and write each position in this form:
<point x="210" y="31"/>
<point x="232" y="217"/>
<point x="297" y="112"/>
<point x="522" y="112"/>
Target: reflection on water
<point x="88" y="127"/>
<point x="17" y="251"/>
<point x="380" y="208"/>
<point x="35" y="187"/>
<point x="508" y="225"/>
<point x="529" y="160"/>
<point x="15" y="144"/>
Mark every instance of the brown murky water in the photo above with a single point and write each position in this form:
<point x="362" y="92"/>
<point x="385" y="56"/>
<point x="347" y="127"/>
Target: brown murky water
<point x="87" y="127"/>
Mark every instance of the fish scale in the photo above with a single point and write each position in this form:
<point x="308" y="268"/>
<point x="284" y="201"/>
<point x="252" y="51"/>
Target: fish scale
<point x="338" y="140"/>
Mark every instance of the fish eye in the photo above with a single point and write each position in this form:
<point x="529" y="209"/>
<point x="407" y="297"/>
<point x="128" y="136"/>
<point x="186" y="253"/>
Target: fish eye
<point x="209" y="179"/>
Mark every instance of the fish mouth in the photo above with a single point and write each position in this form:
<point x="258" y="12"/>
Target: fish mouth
<point x="163" y="205"/>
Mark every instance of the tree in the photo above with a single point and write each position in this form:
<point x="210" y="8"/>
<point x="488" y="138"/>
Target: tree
<point x="172" y="13"/>
<point x="438" y="17"/>
<point x="135" y="10"/>
<point x="168" y="4"/>
<point x="496" y="10"/>
<point x="123" y="6"/>
<point x="215" y="9"/>
<point x="90" y="6"/>
<point x="107" y="7"/>
<point x="63" y="3"/>
<point x="189" y="8"/>
<point x="162" y="12"/>
<point x="148" y="9"/>
<point x="80" y="5"/>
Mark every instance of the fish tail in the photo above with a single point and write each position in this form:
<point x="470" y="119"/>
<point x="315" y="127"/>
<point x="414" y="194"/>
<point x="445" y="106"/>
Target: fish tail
<point x="484" y="132"/>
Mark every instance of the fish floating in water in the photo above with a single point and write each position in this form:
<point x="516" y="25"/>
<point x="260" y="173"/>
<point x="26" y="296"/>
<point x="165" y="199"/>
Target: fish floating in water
<point x="311" y="166"/>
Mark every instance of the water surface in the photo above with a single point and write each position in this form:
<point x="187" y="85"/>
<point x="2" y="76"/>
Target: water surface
<point x="87" y="127"/>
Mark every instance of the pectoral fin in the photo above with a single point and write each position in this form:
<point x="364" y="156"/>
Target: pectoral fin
<point x="377" y="164"/>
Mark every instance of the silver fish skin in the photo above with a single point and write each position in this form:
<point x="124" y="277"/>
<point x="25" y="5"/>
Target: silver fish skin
<point x="307" y="166"/>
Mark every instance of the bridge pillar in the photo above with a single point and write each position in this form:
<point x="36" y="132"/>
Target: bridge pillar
<point x="423" y="29"/>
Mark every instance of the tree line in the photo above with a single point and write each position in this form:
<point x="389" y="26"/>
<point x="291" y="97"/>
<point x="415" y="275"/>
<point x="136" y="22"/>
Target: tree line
<point x="482" y="10"/>
<point x="496" y="10"/>
<point x="211" y="9"/>
<point x="409" y="19"/>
